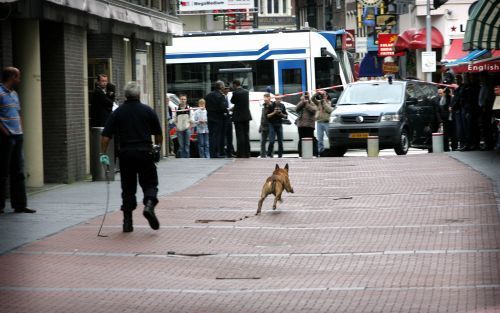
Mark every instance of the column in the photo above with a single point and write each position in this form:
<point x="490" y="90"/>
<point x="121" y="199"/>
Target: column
<point x="27" y="58"/>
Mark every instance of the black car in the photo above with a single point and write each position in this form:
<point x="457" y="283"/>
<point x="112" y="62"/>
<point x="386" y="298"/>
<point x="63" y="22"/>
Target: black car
<point x="402" y="114"/>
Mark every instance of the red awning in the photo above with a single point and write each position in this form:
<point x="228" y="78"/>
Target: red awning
<point x="455" y="51"/>
<point x="412" y="39"/>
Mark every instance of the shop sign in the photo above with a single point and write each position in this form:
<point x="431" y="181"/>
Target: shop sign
<point x="361" y="45"/>
<point x="390" y="67"/>
<point x="204" y="5"/>
<point x="349" y="39"/>
<point x="386" y="45"/>
<point x="492" y="67"/>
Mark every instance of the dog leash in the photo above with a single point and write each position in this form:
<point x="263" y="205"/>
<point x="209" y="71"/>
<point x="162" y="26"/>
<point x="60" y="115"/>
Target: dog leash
<point x="107" y="202"/>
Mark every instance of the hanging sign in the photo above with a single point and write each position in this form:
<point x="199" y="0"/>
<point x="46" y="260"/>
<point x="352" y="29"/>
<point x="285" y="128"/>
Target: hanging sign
<point x="428" y="61"/>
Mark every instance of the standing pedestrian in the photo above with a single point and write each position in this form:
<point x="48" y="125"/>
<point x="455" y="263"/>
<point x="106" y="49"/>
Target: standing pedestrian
<point x="446" y="111"/>
<point x="485" y="102"/>
<point x="170" y="121"/>
<point x="216" y="107"/>
<point x="305" y="123"/>
<point x="322" y="117"/>
<point x="241" y="119"/>
<point x="457" y="105"/>
<point x="101" y="102"/>
<point x="228" y="125"/>
<point x="11" y="144"/>
<point x="183" y="122"/>
<point x="275" y="113"/>
<point x="135" y="123"/>
<point x="200" y="119"/>
<point x="264" y="125"/>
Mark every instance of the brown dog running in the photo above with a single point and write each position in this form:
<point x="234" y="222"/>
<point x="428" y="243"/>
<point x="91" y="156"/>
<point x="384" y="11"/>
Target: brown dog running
<point x="275" y="184"/>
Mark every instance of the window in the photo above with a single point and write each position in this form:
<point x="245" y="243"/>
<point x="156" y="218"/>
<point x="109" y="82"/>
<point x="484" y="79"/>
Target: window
<point x="274" y="6"/>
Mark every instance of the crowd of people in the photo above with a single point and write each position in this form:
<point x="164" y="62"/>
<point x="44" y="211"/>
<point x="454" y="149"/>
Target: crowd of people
<point x="467" y="113"/>
<point x="216" y="115"/>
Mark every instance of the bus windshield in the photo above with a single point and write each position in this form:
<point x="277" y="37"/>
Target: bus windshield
<point x="376" y="93"/>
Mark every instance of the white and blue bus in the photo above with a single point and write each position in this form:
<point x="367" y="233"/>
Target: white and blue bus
<point x="279" y="61"/>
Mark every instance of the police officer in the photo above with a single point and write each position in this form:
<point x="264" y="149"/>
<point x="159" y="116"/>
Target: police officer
<point x="134" y="123"/>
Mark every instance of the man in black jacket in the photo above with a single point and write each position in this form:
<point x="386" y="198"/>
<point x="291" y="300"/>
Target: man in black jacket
<point x="101" y="101"/>
<point x="134" y="123"/>
<point x="241" y="119"/>
<point x="216" y="107"/>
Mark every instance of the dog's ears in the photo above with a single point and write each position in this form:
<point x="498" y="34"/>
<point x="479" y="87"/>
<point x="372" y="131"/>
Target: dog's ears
<point x="277" y="167"/>
<point x="286" y="167"/>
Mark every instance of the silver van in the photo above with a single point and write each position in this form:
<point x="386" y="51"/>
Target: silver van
<point x="402" y="113"/>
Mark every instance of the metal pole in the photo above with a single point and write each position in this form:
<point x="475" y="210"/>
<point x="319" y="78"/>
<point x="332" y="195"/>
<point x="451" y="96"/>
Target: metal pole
<point x="324" y="13"/>
<point x="428" y="26"/>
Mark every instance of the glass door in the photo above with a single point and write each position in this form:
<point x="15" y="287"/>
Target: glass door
<point x="292" y="78"/>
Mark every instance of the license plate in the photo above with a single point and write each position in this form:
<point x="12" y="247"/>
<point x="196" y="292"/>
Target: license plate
<point x="358" y="135"/>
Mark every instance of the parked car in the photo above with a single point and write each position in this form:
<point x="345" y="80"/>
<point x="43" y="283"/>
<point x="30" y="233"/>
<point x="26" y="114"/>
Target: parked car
<point x="402" y="114"/>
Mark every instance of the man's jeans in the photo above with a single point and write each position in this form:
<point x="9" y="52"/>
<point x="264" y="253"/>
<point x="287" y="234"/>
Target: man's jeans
<point x="275" y="131"/>
<point x="321" y="129"/>
<point x="12" y="167"/>
<point x="184" y="143"/>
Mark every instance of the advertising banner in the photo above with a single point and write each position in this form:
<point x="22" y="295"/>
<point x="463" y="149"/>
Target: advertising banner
<point x="386" y="45"/>
<point x="208" y="5"/>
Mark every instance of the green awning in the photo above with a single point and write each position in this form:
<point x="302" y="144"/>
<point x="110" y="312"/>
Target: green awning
<point x="482" y="26"/>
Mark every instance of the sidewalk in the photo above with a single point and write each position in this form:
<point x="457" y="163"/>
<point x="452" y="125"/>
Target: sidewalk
<point x="63" y="206"/>
<point x="417" y="233"/>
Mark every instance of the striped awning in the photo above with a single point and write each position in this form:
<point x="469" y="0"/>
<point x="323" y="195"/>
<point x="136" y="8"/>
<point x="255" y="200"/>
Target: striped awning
<point x="482" y="26"/>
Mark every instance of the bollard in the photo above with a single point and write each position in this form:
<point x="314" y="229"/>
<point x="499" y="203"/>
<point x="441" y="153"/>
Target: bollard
<point x="437" y="142"/>
<point x="96" y="168"/>
<point x="307" y="148"/>
<point x="373" y="148"/>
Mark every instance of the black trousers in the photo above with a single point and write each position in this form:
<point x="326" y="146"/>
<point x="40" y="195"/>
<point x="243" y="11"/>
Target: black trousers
<point x="242" y="130"/>
<point x="12" y="168"/>
<point x="137" y="165"/>
<point x="228" y="136"/>
<point x="307" y="132"/>
<point x="216" y="138"/>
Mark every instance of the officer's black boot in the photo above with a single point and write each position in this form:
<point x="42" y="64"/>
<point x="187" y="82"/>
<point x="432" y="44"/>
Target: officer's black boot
<point x="149" y="214"/>
<point x="127" y="222"/>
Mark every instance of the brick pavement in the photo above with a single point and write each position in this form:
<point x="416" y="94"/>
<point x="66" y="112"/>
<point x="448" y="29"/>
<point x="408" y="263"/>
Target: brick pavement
<point x="394" y="234"/>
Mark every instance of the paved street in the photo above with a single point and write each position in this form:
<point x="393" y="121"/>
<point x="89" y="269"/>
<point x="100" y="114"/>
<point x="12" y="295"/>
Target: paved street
<point x="416" y="233"/>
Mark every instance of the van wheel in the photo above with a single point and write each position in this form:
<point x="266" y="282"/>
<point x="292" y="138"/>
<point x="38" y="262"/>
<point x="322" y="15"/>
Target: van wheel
<point x="337" y="151"/>
<point x="404" y="143"/>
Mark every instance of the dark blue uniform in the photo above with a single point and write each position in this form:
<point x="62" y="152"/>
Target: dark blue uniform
<point x="134" y="123"/>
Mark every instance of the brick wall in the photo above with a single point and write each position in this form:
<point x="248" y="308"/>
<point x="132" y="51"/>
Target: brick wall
<point x="62" y="102"/>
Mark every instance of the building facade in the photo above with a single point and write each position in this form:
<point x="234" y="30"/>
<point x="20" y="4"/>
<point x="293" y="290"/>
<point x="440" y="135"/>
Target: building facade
<point x="60" y="46"/>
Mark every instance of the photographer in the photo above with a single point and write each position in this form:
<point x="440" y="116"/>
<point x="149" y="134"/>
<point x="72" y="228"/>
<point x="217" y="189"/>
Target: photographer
<point x="305" y="123"/>
<point x="275" y="113"/>
<point x="322" y="117"/>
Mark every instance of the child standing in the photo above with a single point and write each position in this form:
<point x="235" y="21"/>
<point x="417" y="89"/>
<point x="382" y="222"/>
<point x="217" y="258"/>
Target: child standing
<point x="200" y="118"/>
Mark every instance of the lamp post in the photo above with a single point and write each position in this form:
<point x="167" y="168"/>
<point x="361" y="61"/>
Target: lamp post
<point x="428" y="47"/>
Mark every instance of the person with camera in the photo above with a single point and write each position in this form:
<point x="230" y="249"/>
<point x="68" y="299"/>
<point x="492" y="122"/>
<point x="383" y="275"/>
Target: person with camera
<point x="306" y="121"/>
<point x="322" y="117"/>
<point x="275" y="113"/>
<point x="134" y="123"/>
